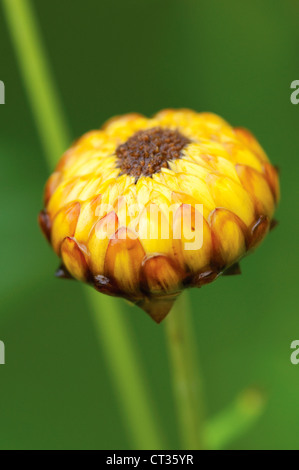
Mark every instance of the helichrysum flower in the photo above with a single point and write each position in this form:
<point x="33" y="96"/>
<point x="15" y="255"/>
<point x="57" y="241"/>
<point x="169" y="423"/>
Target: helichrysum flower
<point x="143" y="208"/>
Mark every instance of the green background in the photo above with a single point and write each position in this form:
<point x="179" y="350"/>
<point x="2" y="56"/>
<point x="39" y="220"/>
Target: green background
<point x="233" y="58"/>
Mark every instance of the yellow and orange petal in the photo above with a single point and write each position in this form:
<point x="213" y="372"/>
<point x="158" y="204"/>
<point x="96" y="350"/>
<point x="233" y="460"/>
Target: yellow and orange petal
<point x="135" y="177"/>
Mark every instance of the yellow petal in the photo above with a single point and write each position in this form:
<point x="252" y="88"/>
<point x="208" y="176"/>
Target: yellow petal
<point x="154" y="230"/>
<point x="87" y="218"/>
<point x="65" y="193"/>
<point x="51" y="185"/>
<point x="198" y="189"/>
<point x="174" y="118"/>
<point x="191" y="228"/>
<point x="123" y="127"/>
<point x="228" y="237"/>
<point x="123" y="261"/>
<point x="247" y="138"/>
<point x="232" y="196"/>
<point x="189" y="168"/>
<point x="74" y="259"/>
<point x="240" y="153"/>
<point x="98" y="242"/>
<point x="160" y="275"/>
<point x="256" y="184"/>
<point x="64" y="224"/>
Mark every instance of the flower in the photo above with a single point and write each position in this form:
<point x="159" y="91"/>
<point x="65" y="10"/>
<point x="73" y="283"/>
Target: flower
<point x="127" y="203"/>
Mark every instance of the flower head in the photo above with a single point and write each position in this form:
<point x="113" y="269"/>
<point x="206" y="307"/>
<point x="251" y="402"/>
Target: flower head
<point x="143" y="208"/>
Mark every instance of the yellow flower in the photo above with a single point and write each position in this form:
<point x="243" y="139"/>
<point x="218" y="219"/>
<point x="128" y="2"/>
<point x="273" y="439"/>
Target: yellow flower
<point x="143" y="208"/>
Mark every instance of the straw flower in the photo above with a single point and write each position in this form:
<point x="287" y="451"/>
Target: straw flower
<point x="143" y="208"/>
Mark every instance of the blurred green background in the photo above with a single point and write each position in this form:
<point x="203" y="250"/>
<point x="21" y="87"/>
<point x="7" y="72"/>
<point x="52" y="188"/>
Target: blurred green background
<point x="111" y="57"/>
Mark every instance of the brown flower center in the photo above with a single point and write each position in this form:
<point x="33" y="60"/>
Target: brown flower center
<point x="146" y="152"/>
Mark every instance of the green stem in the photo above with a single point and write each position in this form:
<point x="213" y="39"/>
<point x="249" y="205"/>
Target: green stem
<point x="111" y="326"/>
<point x="235" y="420"/>
<point x="128" y="373"/>
<point x="52" y="127"/>
<point x="186" y="384"/>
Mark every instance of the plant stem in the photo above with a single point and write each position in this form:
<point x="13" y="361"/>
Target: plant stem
<point x="128" y="373"/>
<point x="111" y="326"/>
<point x="48" y="113"/>
<point x="236" y="419"/>
<point x="186" y="384"/>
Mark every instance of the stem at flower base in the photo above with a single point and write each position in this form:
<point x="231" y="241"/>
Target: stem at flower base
<point x="128" y="375"/>
<point x="185" y="374"/>
<point x="111" y="327"/>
